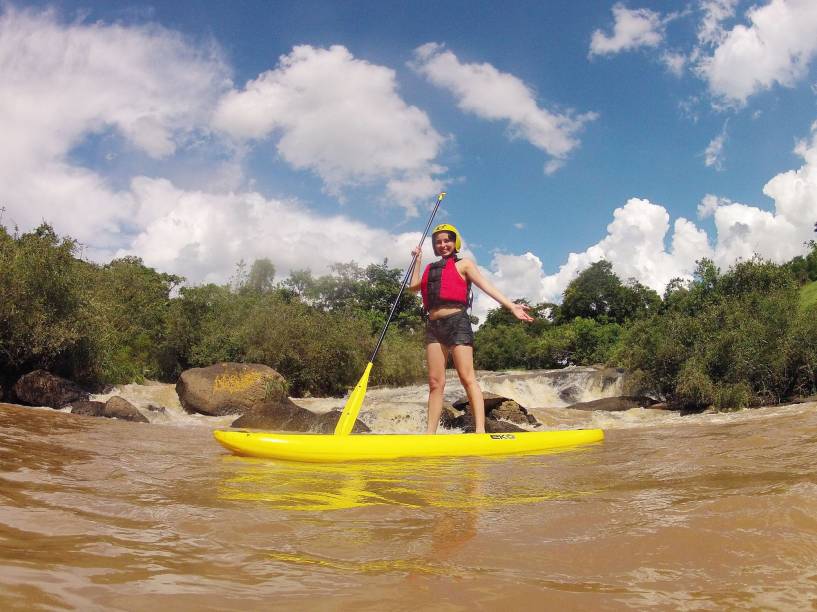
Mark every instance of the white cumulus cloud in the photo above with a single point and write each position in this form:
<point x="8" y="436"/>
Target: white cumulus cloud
<point x="635" y="241"/>
<point x="202" y="235"/>
<point x="715" y="12"/>
<point x="743" y="230"/>
<point x="342" y="118"/>
<point x="494" y="95"/>
<point x="632" y="28"/>
<point x="62" y="83"/>
<point x="775" y="48"/>
<point x="156" y="92"/>
<point x="634" y="245"/>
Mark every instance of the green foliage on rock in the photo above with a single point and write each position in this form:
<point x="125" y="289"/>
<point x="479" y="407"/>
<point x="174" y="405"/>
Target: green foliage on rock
<point x="318" y="333"/>
<point x="583" y="330"/>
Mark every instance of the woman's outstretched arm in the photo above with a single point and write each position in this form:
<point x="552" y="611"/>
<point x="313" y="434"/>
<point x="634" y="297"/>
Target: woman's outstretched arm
<point x="471" y="273"/>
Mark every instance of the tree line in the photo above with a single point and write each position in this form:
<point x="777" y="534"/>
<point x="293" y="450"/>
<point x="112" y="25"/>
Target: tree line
<point x="726" y="338"/>
<point x="124" y="321"/>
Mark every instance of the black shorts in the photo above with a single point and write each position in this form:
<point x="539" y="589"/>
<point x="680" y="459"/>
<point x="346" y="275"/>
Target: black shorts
<point x="451" y="330"/>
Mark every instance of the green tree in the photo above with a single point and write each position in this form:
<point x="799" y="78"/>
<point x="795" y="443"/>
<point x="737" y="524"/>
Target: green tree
<point x="261" y="277"/>
<point x="132" y="303"/>
<point x="598" y="294"/>
<point x="44" y="318"/>
<point x="804" y="267"/>
<point x="724" y="339"/>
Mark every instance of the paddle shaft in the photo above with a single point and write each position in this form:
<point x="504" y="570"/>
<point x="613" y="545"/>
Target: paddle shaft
<point x="406" y="278"/>
<point x="346" y="421"/>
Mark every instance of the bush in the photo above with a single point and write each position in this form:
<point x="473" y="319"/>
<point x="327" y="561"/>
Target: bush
<point x="727" y="340"/>
<point x="694" y="389"/>
<point x="132" y="304"/>
<point x="45" y="321"/>
<point x="733" y="397"/>
<point x="502" y="347"/>
<point x="800" y="352"/>
<point x="401" y="359"/>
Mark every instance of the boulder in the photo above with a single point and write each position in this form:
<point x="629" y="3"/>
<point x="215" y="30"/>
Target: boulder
<point x="88" y="408"/>
<point x="570" y="394"/>
<point x="449" y="416"/>
<point x="616" y="404"/>
<point x="498" y="412"/>
<point x="120" y="408"/>
<point x="229" y="388"/>
<point x="803" y="399"/>
<point x="513" y="412"/>
<point x="491" y="401"/>
<point x="42" y="388"/>
<point x="496" y="407"/>
<point x="466" y="423"/>
<point x="285" y="415"/>
<point x="115" y="408"/>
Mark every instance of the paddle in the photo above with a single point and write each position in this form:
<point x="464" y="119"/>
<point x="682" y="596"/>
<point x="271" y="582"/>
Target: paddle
<point x="355" y="401"/>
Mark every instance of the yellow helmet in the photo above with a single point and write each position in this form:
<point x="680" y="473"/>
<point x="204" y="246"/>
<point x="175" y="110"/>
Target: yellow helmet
<point x="445" y="227"/>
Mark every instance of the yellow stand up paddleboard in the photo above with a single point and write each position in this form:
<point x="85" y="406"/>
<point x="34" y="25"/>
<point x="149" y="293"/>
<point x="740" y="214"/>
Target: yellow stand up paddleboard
<point x="327" y="448"/>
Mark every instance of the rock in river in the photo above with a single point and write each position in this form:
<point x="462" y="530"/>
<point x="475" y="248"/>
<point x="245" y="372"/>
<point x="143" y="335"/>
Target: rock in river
<point x="229" y="388"/>
<point x="42" y="388"/>
<point x="615" y="404"/>
<point x="115" y="408"/>
<point x="501" y="415"/>
<point x="120" y="408"/>
<point x="288" y="416"/>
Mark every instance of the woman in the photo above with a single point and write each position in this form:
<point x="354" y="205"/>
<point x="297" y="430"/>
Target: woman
<point x="446" y="289"/>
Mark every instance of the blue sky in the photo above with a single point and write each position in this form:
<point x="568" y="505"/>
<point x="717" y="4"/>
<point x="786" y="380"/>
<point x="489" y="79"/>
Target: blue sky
<point x="195" y="134"/>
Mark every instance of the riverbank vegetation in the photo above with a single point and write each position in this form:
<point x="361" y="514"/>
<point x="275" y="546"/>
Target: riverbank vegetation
<point x="732" y="338"/>
<point x="808" y="295"/>
<point x="729" y="339"/>
<point x="123" y="321"/>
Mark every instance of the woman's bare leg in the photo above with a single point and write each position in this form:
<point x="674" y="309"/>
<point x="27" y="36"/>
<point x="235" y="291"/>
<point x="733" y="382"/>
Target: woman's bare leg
<point x="464" y="362"/>
<point x="436" y="356"/>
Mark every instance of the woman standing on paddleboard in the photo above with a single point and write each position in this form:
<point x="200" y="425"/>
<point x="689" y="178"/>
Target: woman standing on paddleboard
<point x="446" y="289"/>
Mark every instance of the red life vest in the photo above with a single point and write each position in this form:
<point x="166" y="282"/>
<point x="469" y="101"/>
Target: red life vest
<point x="443" y="284"/>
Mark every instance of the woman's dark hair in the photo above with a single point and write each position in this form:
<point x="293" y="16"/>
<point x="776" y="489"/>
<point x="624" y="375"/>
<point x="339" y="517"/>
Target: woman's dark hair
<point x="451" y="235"/>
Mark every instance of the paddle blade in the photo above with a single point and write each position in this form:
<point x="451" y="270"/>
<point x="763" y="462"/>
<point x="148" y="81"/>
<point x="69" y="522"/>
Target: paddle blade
<point x="353" y="404"/>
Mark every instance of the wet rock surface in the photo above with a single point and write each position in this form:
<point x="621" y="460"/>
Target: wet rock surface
<point x="120" y="408"/>
<point x="616" y="404"/>
<point x="115" y="408"/>
<point x="42" y="388"/>
<point x="502" y="415"/>
<point x="229" y="388"/>
<point x="88" y="408"/>
<point x="286" y="416"/>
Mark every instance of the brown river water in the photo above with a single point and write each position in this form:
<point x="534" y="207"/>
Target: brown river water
<point x="705" y="512"/>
